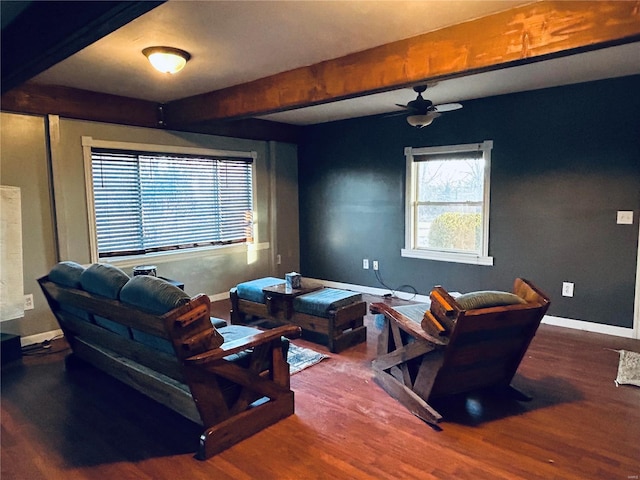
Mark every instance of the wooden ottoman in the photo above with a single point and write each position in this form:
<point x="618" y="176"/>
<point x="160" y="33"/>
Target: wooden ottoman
<point x="328" y="316"/>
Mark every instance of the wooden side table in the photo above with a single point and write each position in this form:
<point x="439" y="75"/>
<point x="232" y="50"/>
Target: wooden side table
<point x="279" y="298"/>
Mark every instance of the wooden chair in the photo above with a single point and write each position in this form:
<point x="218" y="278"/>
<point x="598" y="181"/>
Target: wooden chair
<point x="453" y="350"/>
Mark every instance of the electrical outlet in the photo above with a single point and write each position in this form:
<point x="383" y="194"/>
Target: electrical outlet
<point x="567" y="289"/>
<point x="28" y="301"/>
<point x="365" y="263"/>
<point x="624" y="217"/>
<point x="375" y="265"/>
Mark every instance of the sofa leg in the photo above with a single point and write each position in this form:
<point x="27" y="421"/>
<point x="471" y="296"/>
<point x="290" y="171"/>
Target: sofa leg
<point x="243" y="425"/>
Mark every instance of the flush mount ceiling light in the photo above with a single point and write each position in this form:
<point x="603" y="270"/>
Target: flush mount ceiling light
<point x="166" y="59"/>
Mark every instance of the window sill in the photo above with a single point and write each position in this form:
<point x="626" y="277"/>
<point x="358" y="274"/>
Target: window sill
<point x="447" y="257"/>
<point x="175" y="255"/>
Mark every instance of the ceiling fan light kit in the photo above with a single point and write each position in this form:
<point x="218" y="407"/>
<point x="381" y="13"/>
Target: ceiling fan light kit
<point x="420" y="121"/>
<point x="167" y="59"/>
<point x="423" y="112"/>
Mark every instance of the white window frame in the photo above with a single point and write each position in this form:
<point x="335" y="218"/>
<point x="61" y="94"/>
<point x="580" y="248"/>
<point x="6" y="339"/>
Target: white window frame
<point x="131" y="260"/>
<point x="410" y="249"/>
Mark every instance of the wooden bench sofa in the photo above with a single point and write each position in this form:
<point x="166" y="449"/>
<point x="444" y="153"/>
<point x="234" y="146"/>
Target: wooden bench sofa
<point x="326" y="315"/>
<point x="233" y="380"/>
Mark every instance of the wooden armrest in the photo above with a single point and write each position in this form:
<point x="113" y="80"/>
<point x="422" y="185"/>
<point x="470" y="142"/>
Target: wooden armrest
<point x="196" y="309"/>
<point x="446" y="301"/>
<point x="429" y="322"/>
<point x="444" y="308"/>
<point x="412" y="328"/>
<point x="235" y="346"/>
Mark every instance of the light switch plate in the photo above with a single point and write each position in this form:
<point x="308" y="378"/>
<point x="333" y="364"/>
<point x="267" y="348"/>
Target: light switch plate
<point x="625" y="217"/>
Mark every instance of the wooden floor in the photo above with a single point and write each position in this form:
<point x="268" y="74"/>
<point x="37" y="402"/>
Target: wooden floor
<point x="579" y="425"/>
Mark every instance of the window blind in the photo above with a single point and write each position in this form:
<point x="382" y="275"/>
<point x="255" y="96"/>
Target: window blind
<point x="146" y="202"/>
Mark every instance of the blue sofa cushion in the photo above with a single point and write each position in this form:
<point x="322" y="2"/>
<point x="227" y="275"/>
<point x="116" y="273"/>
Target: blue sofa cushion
<point x="67" y="274"/>
<point x="106" y="280"/>
<point x="152" y="295"/>
<point x="112" y="326"/>
<point x="103" y="279"/>
<point x="163" y="344"/>
<point x="487" y="299"/>
<point x="321" y="302"/>
<point x="252" y="290"/>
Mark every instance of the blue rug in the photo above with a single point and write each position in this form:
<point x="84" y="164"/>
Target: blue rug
<point x="300" y="358"/>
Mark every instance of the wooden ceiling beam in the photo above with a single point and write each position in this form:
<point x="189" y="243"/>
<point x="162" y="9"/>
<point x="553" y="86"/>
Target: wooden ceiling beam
<point x="521" y="35"/>
<point x="81" y="104"/>
<point x="101" y="107"/>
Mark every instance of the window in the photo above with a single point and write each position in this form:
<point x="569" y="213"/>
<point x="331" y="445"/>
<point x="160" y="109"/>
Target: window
<point x="447" y="203"/>
<point x="152" y="201"/>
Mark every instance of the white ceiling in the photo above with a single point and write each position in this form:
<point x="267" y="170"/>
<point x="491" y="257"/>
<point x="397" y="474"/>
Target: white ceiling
<point x="234" y="42"/>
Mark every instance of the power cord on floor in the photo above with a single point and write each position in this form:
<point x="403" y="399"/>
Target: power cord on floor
<point x="394" y="291"/>
<point x="44" y="348"/>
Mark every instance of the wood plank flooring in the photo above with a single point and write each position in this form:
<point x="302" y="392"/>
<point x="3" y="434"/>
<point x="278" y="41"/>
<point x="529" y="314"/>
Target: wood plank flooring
<point x="82" y="424"/>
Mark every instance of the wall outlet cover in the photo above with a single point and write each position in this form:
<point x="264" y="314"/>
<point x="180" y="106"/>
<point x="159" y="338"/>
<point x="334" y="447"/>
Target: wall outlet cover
<point x="624" y="217"/>
<point x="567" y="289"/>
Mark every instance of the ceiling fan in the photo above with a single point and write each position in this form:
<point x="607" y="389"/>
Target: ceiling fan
<point x="422" y="111"/>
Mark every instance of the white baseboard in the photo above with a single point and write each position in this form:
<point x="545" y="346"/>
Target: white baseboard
<point x="588" y="326"/>
<point x="40" y="337"/>
<point x="219" y="296"/>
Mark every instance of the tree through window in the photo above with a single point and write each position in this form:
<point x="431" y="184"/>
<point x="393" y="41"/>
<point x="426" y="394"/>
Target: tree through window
<point x="448" y="203"/>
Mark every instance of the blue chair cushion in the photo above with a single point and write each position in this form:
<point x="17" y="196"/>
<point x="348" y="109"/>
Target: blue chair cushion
<point x="103" y="279"/>
<point x="235" y="332"/>
<point x="218" y="323"/>
<point x="152" y="294"/>
<point x="487" y="299"/>
<point x="252" y="290"/>
<point x="321" y="302"/>
<point x="67" y="274"/>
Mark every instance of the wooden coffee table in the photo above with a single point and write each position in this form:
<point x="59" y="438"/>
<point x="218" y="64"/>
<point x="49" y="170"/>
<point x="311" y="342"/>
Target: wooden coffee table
<point x="279" y="298"/>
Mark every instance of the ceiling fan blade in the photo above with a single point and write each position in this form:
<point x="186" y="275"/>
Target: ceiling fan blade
<point x="403" y="106"/>
<point x="448" y="107"/>
<point x="393" y="114"/>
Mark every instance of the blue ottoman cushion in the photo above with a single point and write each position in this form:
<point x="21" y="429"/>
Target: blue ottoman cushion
<point x="321" y="302"/>
<point x="252" y="290"/>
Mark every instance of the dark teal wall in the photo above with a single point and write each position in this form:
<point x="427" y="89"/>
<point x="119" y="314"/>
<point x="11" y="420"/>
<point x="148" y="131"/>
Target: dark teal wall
<point x="564" y="161"/>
